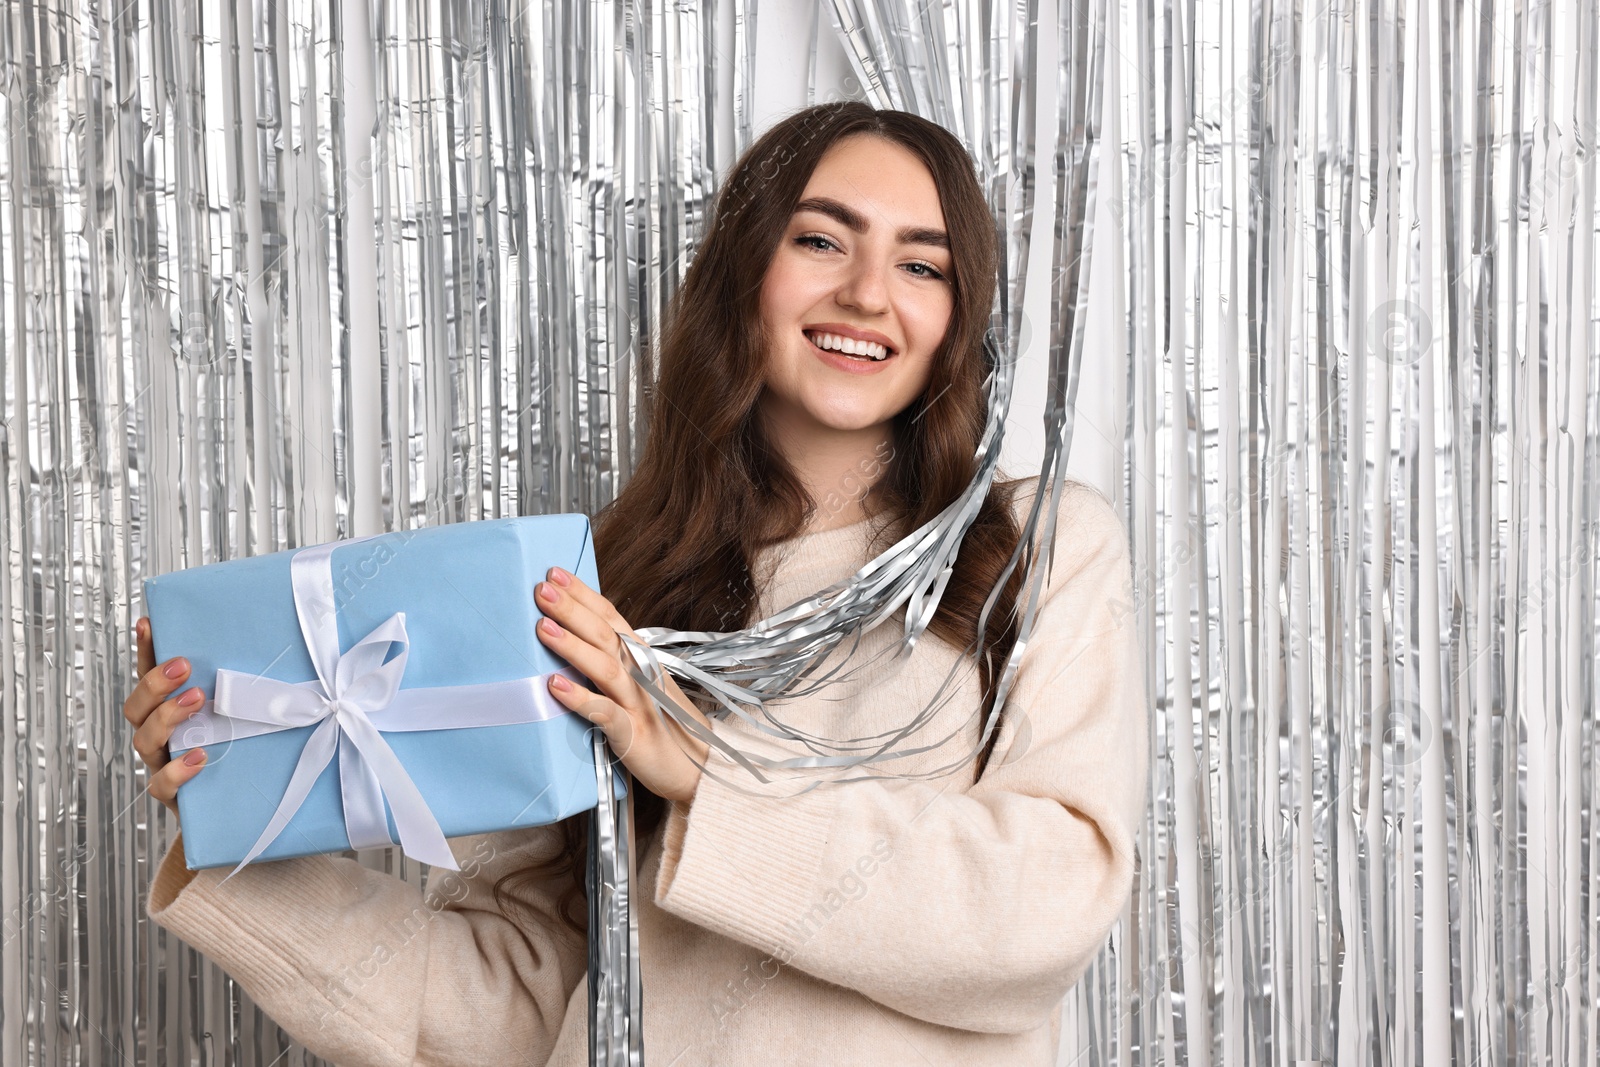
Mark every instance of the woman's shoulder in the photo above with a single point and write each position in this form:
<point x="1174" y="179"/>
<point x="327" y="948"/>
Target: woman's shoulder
<point x="1088" y="526"/>
<point x="1082" y="507"/>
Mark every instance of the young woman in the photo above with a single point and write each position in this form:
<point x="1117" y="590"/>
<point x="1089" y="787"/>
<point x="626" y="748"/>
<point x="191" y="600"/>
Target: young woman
<point x="820" y="394"/>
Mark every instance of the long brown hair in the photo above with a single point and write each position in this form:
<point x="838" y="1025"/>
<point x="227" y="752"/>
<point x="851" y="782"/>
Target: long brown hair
<point x="676" y="545"/>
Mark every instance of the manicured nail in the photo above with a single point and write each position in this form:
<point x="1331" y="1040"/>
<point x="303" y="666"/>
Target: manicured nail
<point x="551" y="628"/>
<point x="142" y="628"/>
<point x="547" y="592"/>
<point x="191" y="698"/>
<point x="175" y="669"/>
<point x="194" y="757"/>
<point x="560" y="576"/>
<point x="558" y="682"/>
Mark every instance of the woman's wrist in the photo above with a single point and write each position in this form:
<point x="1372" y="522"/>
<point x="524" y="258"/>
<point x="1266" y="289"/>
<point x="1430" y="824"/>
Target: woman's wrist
<point x="688" y="782"/>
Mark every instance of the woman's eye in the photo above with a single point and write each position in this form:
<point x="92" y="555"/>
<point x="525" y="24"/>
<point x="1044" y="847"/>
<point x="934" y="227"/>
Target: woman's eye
<point x="820" y="243"/>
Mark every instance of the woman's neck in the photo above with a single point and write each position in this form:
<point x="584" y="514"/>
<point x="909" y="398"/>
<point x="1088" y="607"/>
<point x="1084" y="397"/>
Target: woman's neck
<point x="838" y="468"/>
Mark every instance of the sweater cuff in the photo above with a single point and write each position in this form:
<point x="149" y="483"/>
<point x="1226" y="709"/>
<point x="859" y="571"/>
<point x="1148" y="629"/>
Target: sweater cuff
<point x="743" y="858"/>
<point x="238" y="921"/>
<point x="227" y="922"/>
<point x="171" y="878"/>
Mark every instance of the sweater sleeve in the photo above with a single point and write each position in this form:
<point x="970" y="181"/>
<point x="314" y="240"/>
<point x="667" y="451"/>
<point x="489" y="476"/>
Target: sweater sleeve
<point x="363" y="968"/>
<point x="976" y="906"/>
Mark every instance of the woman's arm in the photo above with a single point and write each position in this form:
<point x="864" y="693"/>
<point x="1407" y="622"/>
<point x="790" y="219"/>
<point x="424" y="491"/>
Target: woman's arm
<point x="975" y="909"/>
<point x="362" y="968"/>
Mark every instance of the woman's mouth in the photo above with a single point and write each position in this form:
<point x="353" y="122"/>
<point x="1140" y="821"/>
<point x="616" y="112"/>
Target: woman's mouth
<point x="847" y="351"/>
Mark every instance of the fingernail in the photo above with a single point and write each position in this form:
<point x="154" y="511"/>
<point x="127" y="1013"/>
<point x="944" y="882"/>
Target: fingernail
<point x="190" y="698"/>
<point x="558" y="682"/>
<point x="560" y="576"/>
<point x="550" y="627"/>
<point x="547" y="592"/>
<point x="175" y="669"/>
<point x="194" y="757"/>
<point x="142" y="628"/>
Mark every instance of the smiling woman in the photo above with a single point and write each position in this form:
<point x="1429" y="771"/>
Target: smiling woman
<point x="863" y="225"/>
<point x="857" y="300"/>
<point x="819" y="394"/>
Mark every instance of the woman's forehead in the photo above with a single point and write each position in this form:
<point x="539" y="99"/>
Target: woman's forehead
<point x="878" y="181"/>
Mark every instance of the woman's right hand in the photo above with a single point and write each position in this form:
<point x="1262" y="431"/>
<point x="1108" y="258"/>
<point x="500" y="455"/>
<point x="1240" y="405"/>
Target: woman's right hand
<point x="156" y="708"/>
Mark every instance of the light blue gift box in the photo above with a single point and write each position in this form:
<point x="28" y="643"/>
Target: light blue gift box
<point x="466" y="592"/>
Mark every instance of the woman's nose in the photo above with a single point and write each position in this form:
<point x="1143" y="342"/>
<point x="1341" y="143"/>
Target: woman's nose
<point x="866" y="288"/>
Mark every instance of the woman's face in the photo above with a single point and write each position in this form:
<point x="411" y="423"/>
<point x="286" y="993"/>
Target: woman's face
<point x="865" y="258"/>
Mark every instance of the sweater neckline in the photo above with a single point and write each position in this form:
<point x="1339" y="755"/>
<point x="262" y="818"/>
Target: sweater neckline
<point x="806" y="554"/>
<point x="813" y="535"/>
<point x="821" y="539"/>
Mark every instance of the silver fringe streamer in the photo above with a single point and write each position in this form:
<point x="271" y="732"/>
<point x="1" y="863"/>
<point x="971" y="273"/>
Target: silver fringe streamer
<point x="910" y="57"/>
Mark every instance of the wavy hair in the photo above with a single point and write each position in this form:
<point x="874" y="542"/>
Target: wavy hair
<point x="676" y="546"/>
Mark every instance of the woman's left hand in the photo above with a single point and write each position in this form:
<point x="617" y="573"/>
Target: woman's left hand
<point x="653" y="747"/>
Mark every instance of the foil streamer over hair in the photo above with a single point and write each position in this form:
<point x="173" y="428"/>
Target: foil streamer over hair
<point x="906" y="56"/>
<point x="775" y="658"/>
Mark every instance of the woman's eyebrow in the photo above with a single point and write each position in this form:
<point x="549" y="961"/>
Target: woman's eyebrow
<point x="845" y="215"/>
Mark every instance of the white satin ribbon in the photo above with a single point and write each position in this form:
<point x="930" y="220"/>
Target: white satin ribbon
<point x="357" y="693"/>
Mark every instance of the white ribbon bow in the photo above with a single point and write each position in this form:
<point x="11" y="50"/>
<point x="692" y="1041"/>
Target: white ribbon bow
<point x="350" y="691"/>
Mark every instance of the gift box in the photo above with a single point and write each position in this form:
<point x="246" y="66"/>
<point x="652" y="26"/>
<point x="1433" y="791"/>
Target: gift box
<point x="386" y="689"/>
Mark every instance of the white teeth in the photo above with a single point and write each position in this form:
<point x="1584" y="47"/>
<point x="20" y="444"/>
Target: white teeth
<point x="850" y="346"/>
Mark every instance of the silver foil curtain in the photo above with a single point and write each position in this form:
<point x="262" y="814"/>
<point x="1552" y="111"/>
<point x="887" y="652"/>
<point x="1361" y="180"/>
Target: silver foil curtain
<point x="271" y="275"/>
<point x="1355" y="242"/>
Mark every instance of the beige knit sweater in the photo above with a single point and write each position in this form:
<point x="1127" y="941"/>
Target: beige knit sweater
<point x="882" y="922"/>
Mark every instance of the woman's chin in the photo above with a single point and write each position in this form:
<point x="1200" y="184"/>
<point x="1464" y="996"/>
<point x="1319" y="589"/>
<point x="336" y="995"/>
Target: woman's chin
<point x="825" y="411"/>
<point x="849" y="420"/>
